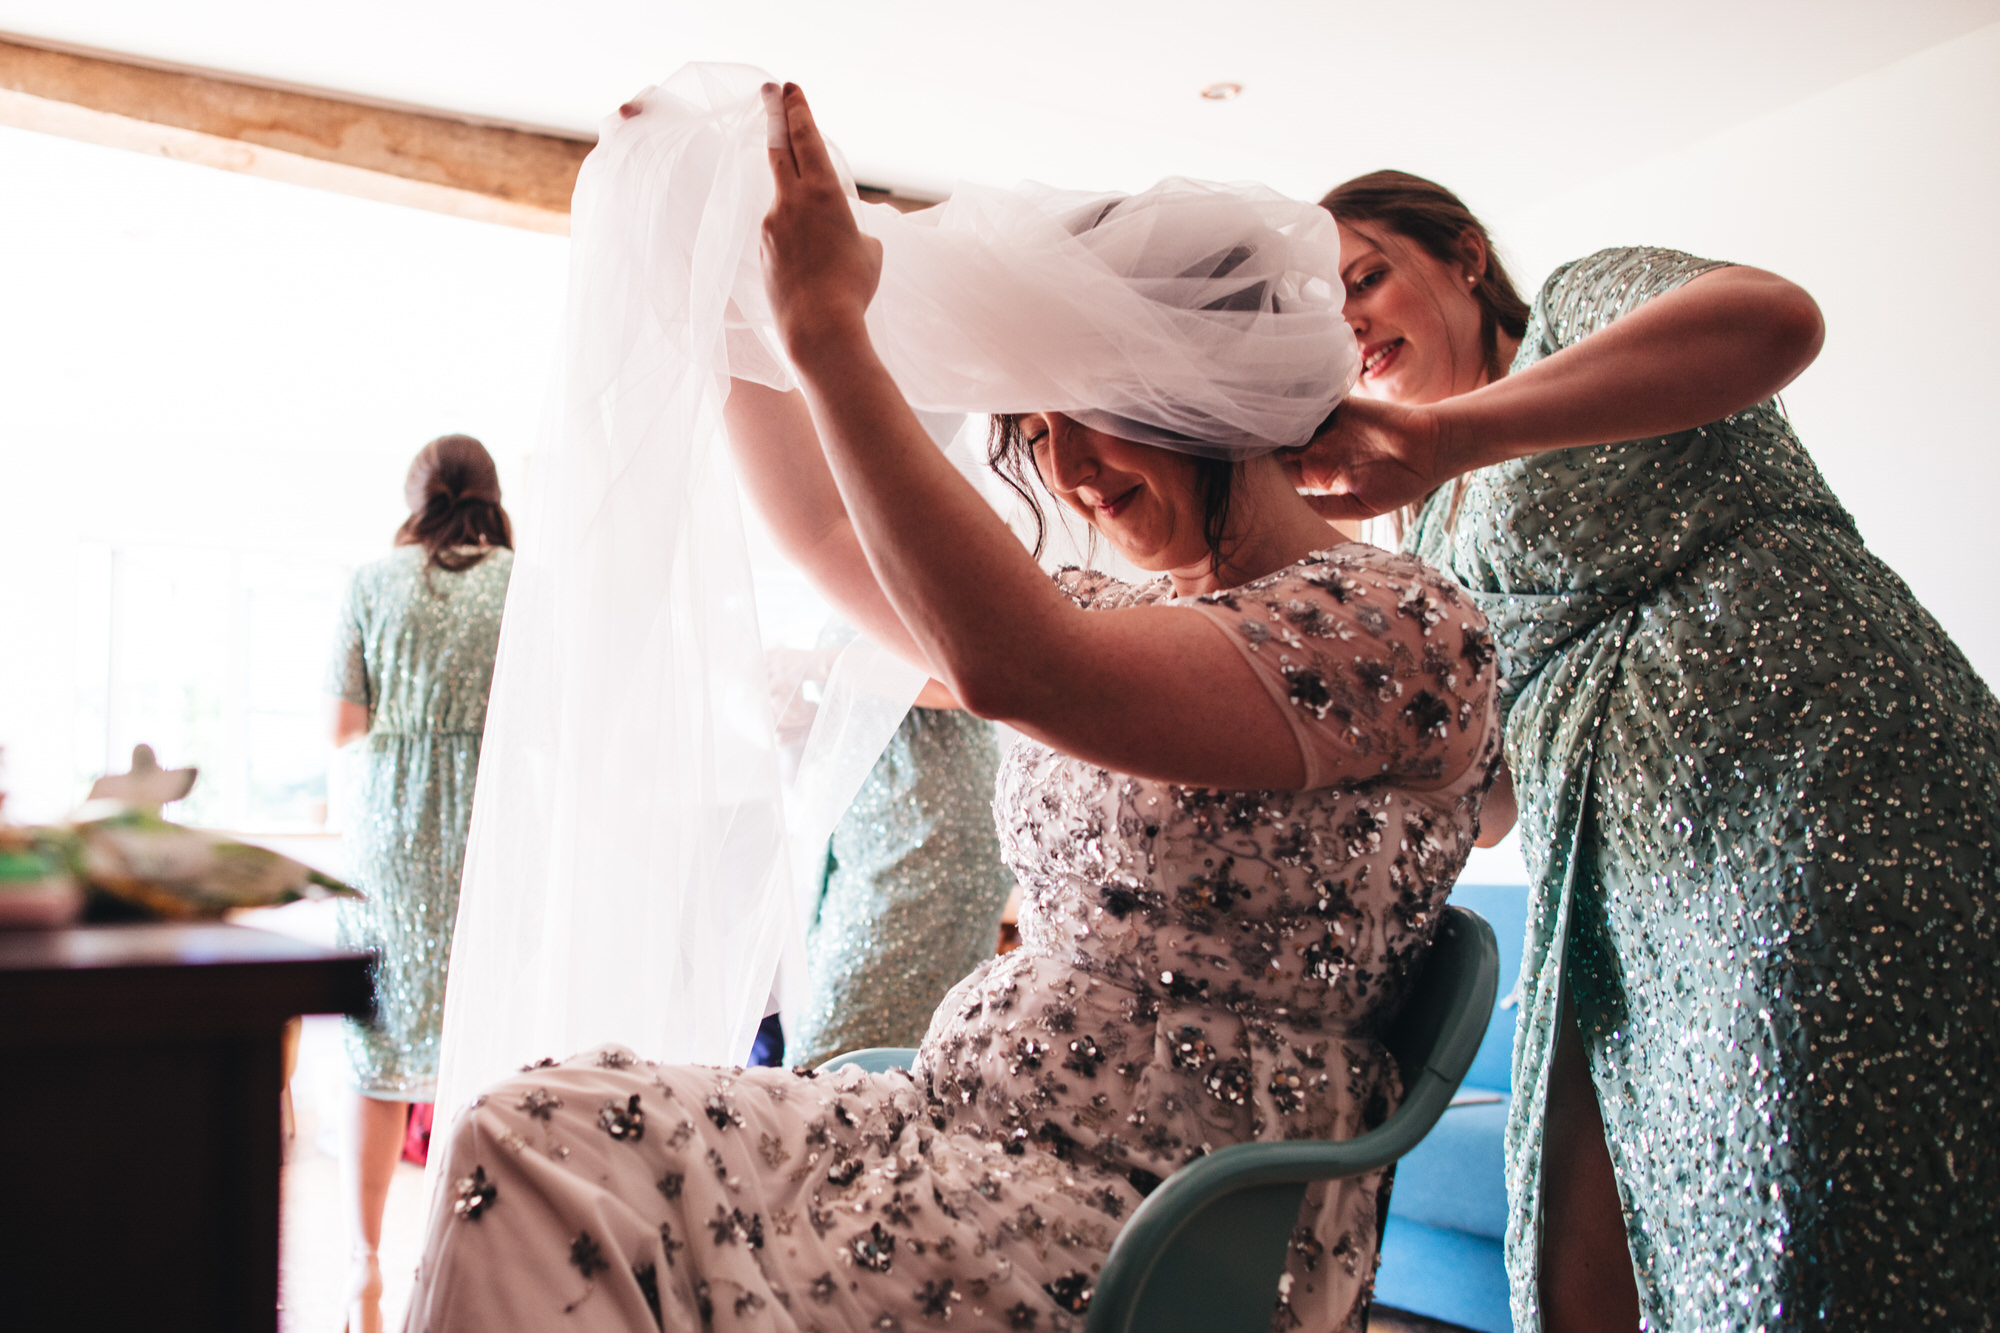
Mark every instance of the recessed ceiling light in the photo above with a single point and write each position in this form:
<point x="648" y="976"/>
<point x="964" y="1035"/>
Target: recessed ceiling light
<point x="1221" y="92"/>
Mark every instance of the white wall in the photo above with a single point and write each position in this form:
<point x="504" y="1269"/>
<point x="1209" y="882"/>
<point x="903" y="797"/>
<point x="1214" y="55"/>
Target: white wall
<point x="1882" y="198"/>
<point x="194" y="359"/>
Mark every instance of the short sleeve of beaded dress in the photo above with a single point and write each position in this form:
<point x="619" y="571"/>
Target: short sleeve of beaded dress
<point x="1197" y="968"/>
<point x="347" y="664"/>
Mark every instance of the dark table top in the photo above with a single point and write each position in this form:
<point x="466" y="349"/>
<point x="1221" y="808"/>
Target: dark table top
<point x="136" y="982"/>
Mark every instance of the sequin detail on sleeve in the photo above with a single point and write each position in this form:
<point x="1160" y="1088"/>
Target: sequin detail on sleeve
<point x="1382" y="667"/>
<point x="347" y="667"/>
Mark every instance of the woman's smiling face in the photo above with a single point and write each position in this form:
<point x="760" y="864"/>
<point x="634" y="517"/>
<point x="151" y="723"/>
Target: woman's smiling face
<point x="1414" y="316"/>
<point x="1146" y="501"/>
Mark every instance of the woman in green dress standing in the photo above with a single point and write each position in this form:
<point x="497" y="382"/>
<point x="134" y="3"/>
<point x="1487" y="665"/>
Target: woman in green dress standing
<point x="1758" y="1063"/>
<point x="411" y="668"/>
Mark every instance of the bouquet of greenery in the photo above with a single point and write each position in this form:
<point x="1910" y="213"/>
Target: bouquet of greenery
<point x="174" y="872"/>
<point x="117" y="853"/>
<point x="36" y="888"/>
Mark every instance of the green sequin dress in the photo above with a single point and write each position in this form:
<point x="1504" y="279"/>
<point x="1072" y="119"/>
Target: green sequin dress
<point x="415" y="647"/>
<point x="913" y="892"/>
<point x="1759" y="801"/>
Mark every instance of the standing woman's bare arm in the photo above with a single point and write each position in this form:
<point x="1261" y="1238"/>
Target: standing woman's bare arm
<point x="1723" y="341"/>
<point x="1726" y="339"/>
<point x="349" y="722"/>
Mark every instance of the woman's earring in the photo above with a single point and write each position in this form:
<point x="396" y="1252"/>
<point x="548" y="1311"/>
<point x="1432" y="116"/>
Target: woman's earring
<point x="1472" y="277"/>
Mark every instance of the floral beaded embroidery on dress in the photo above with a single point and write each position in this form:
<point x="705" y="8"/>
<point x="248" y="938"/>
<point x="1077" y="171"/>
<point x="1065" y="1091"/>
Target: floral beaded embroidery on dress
<point x="1197" y="968"/>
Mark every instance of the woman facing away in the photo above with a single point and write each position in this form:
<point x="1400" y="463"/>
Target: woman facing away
<point x="411" y="667"/>
<point x="1758" y="1059"/>
<point x="1244" y="792"/>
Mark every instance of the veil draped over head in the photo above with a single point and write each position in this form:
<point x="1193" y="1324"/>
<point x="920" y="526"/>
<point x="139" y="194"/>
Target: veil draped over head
<point x="627" y="875"/>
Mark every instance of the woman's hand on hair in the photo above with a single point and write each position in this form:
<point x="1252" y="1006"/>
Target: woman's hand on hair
<point x="819" y="270"/>
<point x="1371" y="458"/>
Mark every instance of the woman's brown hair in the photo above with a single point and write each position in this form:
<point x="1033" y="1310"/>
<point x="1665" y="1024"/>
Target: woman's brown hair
<point x="1435" y="220"/>
<point x="453" y="491"/>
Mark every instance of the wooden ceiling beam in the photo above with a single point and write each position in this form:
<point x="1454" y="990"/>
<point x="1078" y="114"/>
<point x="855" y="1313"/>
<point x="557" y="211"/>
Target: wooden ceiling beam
<point x="515" y="175"/>
<point x="408" y="155"/>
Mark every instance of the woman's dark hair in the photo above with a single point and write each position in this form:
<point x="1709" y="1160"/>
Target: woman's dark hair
<point x="453" y="491"/>
<point x="1012" y="459"/>
<point x="1436" y="220"/>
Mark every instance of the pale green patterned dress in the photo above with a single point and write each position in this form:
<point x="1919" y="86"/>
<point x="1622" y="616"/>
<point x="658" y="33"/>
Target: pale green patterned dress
<point x="1759" y="803"/>
<point x="415" y="647"/>
<point x="913" y="892"/>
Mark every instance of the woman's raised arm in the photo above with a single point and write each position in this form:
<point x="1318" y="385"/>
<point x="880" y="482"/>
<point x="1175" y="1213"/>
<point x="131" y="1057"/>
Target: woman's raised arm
<point x="1721" y="342"/>
<point x="1159" y="691"/>
<point x="778" y="460"/>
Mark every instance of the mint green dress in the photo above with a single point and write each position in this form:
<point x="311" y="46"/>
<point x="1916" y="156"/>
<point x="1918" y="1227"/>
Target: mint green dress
<point x="913" y="893"/>
<point x="1759" y="804"/>
<point x="415" y="647"/>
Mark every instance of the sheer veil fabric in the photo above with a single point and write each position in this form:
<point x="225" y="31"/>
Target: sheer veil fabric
<point x="628" y="876"/>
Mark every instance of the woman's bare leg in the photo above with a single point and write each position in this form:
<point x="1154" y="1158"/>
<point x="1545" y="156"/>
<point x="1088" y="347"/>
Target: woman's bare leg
<point x="374" y="1144"/>
<point x="1587" y="1283"/>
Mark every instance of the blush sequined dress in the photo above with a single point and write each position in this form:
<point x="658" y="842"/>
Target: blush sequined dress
<point x="415" y="647"/>
<point x="1197" y="968"/>
<point x="1759" y="801"/>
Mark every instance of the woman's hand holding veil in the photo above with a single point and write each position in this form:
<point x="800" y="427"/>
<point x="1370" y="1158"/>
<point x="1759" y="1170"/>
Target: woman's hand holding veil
<point x="884" y="523"/>
<point x="820" y="271"/>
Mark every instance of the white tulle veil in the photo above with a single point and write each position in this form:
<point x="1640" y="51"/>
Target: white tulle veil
<point x="629" y="872"/>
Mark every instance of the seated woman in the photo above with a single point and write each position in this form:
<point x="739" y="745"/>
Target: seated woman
<point x="1246" y="789"/>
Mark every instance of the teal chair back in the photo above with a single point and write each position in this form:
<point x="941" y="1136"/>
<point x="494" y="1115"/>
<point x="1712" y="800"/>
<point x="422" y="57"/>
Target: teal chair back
<point x="1203" y="1253"/>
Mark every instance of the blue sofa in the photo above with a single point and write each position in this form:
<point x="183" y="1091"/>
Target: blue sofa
<point x="1448" y="1213"/>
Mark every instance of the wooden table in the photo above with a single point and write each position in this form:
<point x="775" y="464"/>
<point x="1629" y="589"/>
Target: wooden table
<point x="140" y="1068"/>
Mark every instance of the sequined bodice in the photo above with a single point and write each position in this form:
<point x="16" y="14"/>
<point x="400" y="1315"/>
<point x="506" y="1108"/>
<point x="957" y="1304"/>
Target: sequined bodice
<point x="1200" y="966"/>
<point x="1240" y="899"/>
<point x="418" y="642"/>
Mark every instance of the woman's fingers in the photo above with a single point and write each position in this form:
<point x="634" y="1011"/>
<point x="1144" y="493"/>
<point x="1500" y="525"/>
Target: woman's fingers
<point x="797" y="151"/>
<point x="820" y="271"/>
<point x="808" y="149"/>
<point x="777" y="132"/>
<point x="1340" y="506"/>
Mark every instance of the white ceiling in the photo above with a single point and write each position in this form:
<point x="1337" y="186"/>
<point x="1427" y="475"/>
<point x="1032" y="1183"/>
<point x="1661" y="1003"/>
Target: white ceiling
<point x="1506" y="102"/>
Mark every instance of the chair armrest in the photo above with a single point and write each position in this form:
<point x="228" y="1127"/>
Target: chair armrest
<point x="874" y="1060"/>
<point x="1204" y="1252"/>
<point x="1243" y="1200"/>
